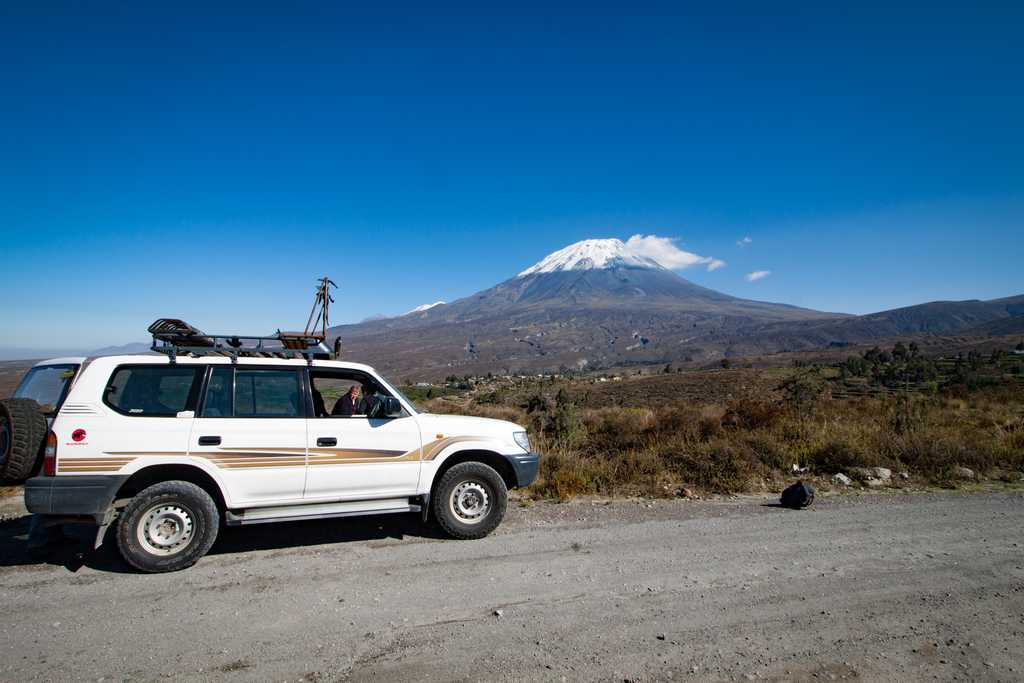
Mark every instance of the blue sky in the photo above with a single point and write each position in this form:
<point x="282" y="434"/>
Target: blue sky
<point x="211" y="163"/>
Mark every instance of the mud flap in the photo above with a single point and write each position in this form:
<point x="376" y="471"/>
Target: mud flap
<point x="103" y="523"/>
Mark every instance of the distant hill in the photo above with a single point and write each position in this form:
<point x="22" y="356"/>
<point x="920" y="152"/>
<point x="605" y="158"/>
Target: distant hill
<point x="933" y="318"/>
<point x="133" y="348"/>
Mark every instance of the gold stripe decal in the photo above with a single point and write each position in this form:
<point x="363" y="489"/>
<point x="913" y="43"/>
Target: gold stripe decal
<point x="246" y="457"/>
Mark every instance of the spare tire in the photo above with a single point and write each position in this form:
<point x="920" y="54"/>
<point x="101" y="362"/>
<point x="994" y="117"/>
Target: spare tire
<point x="22" y="438"/>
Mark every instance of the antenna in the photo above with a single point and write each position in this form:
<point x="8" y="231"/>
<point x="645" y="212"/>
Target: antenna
<point x="321" y="307"/>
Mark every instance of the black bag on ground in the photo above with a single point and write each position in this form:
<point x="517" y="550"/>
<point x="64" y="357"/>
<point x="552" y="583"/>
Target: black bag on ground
<point x="799" y="495"/>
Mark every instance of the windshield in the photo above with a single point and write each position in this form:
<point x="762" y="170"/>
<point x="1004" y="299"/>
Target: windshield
<point x="47" y="384"/>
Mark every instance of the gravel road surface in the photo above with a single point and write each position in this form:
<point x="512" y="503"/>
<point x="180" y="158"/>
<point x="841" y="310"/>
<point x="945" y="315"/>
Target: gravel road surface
<point x="881" y="587"/>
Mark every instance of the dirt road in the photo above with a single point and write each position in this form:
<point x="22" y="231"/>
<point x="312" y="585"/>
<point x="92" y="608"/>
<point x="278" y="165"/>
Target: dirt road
<point x="879" y="587"/>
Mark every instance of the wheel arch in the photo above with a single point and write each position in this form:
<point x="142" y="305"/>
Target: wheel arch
<point x="154" y="474"/>
<point x="490" y="458"/>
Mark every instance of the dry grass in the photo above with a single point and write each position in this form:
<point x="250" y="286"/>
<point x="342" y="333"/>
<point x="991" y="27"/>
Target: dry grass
<point x="750" y="444"/>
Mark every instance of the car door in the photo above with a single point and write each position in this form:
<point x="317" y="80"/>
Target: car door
<point x="354" y="456"/>
<point x="154" y="402"/>
<point x="251" y="425"/>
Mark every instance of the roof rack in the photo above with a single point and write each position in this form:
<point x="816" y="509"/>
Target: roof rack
<point x="176" y="337"/>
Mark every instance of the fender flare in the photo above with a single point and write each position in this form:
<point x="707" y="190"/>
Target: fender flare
<point x="140" y="465"/>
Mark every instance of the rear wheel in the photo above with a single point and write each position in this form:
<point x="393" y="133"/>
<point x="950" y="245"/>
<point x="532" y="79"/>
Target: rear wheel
<point x="22" y="436"/>
<point x="167" y="527"/>
<point x="470" y="500"/>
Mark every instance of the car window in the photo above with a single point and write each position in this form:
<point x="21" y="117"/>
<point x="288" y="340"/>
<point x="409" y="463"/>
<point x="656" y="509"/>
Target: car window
<point x="151" y="390"/>
<point x="218" y="393"/>
<point x="343" y="393"/>
<point x="266" y="393"/>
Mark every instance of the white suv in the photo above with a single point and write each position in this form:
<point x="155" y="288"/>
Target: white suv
<point x="172" y="447"/>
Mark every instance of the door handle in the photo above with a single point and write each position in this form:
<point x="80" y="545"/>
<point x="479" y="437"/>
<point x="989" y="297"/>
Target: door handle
<point x="326" y="441"/>
<point x="209" y="441"/>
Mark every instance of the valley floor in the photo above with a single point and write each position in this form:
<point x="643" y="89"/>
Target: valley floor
<point x="891" y="587"/>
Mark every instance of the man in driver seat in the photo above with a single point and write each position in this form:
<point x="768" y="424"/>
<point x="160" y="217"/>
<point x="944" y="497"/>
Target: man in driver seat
<point x="349" y="404"/>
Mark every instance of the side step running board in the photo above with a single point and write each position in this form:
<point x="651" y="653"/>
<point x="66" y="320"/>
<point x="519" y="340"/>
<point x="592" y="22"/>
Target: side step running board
<point x="319" y="511"/>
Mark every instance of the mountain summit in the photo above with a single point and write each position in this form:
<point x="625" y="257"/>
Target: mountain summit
<point x="598" y="304"/>
<point x="592" y="255"/>
<point x="591" y="304"/>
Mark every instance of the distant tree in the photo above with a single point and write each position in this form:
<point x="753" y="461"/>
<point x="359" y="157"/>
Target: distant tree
<point x="994" y="357"/>
<point x="919" y="370"/>
<point x="900" y="353"/>
<point x="876" y="356"/>
<point x="668" y="369"/>
<point x="856" y="366"/>
<point x="914" y="350"/>
<point x="1020" y="346"/>
<point x="726" y="363"/>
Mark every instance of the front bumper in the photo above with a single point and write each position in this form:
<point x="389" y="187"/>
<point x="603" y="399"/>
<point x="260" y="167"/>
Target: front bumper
<point x="72" y="495"/>
<point x="526" y="466"/>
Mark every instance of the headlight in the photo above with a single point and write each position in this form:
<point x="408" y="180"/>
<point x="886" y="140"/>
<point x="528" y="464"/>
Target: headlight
<point x="522" y="439"/>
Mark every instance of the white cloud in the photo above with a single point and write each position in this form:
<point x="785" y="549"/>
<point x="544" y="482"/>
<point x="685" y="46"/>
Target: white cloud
<point x="758" y="275"/>
<point x="744" y="242"/>
<point x="664" y="251"/>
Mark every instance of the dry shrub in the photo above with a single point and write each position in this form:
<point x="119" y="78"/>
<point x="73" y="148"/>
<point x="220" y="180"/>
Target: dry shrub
<point x="769" y="452"/>
<point x="935" y="455"/>
<point x="615" y="451"/>
<point x="682" y="420"/>
<point x="710" y="426"/>
<point x="719" y="467"/>
<point x="619" y="429"/>
<point x="749" y="413"/>
<point x="837" y="456"/>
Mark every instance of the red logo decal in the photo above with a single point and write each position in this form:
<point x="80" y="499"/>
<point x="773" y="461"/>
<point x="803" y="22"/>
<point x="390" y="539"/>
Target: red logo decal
<point x="78" y="435"/>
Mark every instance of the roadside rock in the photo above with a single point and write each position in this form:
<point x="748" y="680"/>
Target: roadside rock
<point x="871" y="476"/>
<point x="963" y="473"/>
<point x="904" y="475"/>
<point x="841" y="479"/>
<point x="882" y="473"/>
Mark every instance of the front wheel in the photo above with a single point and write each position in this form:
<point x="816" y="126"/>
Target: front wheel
<point x="167" y="527"/>
<point x="470" y="500"/>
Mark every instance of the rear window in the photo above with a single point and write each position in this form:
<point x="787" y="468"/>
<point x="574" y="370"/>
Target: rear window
<point x="47" y="384"/>
<point x="152" y="390"/>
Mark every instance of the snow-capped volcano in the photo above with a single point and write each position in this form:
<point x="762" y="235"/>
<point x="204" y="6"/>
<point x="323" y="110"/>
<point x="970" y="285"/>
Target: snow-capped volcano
<point x="592" y="255"/>
<point x="424" y="307"/>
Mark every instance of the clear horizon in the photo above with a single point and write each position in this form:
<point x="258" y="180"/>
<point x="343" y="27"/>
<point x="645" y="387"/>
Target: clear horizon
<point x="210" y="166"/>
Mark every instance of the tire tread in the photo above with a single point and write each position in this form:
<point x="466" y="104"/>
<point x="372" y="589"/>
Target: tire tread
<point x="28" y="436"/>
<point x="200" y="503"/>
<point x="443" y="515"/>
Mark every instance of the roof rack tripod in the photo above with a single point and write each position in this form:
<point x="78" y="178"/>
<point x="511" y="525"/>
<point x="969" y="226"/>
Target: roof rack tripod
<point x="175" y="337"/>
